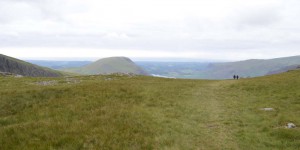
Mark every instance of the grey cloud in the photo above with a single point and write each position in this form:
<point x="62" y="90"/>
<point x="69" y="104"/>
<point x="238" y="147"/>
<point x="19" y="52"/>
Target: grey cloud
<point x="259" y="17"/>
<point x="246" y="31"/>
<point x="36" y="10"/>
<point x="129" y="42"/>
<point x="11" y="11"/>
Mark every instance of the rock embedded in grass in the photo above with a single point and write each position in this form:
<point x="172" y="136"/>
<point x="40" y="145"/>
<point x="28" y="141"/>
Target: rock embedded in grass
<point x="72" y="81"/>
<point x="18" y="76"/>
<point x="267" y="109"/>
<point x="108" y="79"/>
<point x="47" y="83"/>
<point x="290" y="125"/>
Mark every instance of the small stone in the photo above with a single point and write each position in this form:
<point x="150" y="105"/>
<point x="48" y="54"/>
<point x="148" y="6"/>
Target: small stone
<point x="267" y="109"/>
<point x="72" y="81"/>
<point x="290" y="125"/>
<point x="18" y="76"/>
<point x="46" y="83"/>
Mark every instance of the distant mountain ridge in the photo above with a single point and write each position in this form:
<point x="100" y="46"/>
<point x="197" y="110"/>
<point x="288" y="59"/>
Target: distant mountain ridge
<point x="59" y="64"/>
<point x="16" y="66"/>
<point x="108" y="66"/>
<point x="246" y="68"/>
<point x="249" y="68"/>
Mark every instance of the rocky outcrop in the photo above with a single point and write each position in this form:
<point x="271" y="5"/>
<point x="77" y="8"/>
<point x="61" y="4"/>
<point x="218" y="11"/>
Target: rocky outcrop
<point x="16" y="66"/>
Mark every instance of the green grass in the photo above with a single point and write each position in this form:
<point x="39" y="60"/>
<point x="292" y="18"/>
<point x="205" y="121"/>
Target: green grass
<point x="121" y="112"/>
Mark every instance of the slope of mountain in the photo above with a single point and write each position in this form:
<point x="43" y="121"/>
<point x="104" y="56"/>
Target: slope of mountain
<point x="108" y="66"/>
<point x="284" y="69"/>
<point x="59" y="64"/>
<point x="16" y="66"/>
<point x="248" y="68"/>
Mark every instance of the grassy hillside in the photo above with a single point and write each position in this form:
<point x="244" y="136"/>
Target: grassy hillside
<point x="249" y="68"/>
<point x="16" y="66"/>
<point x="284" y="69"/>
<point x="108" y="66"/>
<point x="123" y="112"/>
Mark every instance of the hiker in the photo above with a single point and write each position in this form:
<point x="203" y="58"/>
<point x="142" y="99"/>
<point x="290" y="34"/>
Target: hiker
<point x="234" y="77"/>
<point x="237" y="77"/>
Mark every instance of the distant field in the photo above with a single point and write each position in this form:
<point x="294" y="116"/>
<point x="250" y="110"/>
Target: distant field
<point x="187" y="70"/>
<point x="125" y="112"/>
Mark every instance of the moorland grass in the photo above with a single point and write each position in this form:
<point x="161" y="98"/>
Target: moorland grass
<point x="124" y="112"/>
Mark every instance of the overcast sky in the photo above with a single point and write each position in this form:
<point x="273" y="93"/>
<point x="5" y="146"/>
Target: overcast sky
<point x="148" y="29"/>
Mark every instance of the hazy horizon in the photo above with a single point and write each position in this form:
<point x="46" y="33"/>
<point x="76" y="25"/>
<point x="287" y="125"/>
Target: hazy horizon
<point x="135" y="59"/>
<point x="132" y="58"/>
